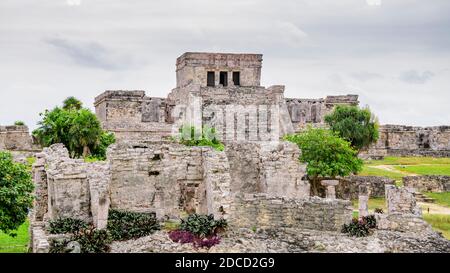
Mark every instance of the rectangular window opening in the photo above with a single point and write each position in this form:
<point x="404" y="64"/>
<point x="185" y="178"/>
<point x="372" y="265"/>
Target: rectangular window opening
<point x="237" y="78"/>
<point x="224" y="78"/>
<point x="211" y="78"/>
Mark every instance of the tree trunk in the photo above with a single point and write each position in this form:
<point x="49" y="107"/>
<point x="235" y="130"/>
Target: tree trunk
<point x="86" y="151"/>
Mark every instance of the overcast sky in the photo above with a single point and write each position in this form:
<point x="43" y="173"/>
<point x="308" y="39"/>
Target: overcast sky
<point x="395" y="54"/>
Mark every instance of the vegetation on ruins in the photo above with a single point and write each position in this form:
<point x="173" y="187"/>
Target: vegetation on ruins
<point x="91" y="240"/>
<point x="66" y="225"/>
<point x="124" y="225"/>
<point x="192" y="136"/>
<point x="16" y="197"/>
<point x="359" y="126"/>
<point x="76" y="127"/>
<point x="200" y="230"/>
<point x="360" y="227"/>
<point x="327" y="155"/>
<point x="19" y="123"/>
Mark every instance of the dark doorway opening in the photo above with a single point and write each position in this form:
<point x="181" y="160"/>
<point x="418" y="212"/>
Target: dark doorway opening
<point x="211" y="79"/>
<point x="224" y="78"/>
<point x="237" y="78"/>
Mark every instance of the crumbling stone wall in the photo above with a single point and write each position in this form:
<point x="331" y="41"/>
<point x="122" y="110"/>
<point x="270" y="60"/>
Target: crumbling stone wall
<point x="15" y="138"/>
<point x="428" y="183"/>
<point x="263" y="211"/>
<point x="313" y="111"/>
<point x="348" y="187"/>
<point x="401" y="200"/>
<point x="265" y="167"/>
<point x="399" y="140"/>
<point x="67" y="187"/>
<point x="132" y="115"/>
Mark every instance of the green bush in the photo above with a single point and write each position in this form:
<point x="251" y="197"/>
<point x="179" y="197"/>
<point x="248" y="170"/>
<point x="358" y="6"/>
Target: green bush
<point x="361" y="227"/>
<point x="75" y="127"/>
<point x="66" y="225"/>
<point x="93" y="240"/>
<point x="16" y="198"/>
<point x="203" y="225"/>
<point x="191" y="136"/>
<point x="359" y="126"/>
<point x="19" y="123"/>
<point x="124" y="225"/>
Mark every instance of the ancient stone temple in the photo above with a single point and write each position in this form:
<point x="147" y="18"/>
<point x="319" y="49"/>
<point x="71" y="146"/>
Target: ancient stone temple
<point x="256" y="180"/>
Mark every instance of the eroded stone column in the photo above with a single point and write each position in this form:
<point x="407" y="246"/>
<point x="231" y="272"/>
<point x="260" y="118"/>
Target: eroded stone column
<point x="363" y="198"/>
<point x="330" y="188"/>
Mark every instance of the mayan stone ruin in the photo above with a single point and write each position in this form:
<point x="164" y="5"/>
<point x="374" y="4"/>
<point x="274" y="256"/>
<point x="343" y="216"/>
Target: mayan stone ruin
<point x="256" y="183"/>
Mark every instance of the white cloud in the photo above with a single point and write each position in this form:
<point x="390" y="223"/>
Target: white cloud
<point x="73" y="2"/>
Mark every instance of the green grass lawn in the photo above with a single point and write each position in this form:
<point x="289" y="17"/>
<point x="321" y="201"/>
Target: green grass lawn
<point x="17" y="244"/>
<point x="441" y="198"/>
<point x="440" y="223"/>
<point x="425" y="169"/>
<point x="389" y="160"/>
<point x="370" y="171"/>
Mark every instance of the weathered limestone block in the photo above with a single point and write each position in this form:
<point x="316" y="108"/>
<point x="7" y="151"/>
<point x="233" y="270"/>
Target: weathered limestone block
<point x="263" y="211"/>
<point x="39" y="239"/>
<point x="40" y="206"/>
<point x="348" y="187"/>
<point x="99" y="176"/>
<point x="217" y="179"/>
<point x="428" y="183"/>
<point x="401" y="200"/>
<point x="403" y="222"/>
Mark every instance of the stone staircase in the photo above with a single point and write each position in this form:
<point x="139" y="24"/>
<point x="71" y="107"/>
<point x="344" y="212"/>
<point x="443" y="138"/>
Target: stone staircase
<point x="420" y="197"/>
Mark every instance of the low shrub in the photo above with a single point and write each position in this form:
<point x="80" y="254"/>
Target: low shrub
<point x="356" y="228"/>
<point x="181" y="236"/>
<point x="361" y="227"/>
<point x="191" y="136"/>
<point x="90" y="239"/>
<point x="203" y="225"/>
<point x="93" y="240"/>
<point x="66" y="225"/>
<point x="370" y="221"/>
<point x="123" y="225"/>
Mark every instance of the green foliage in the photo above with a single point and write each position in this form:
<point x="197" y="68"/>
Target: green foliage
<point x="93" y="240"/>
<point x="90" y="239"/>
<point x="76" y="127"/>
<point x="361" y="227"/>
<point x="66" y="225"/>
<point x="356" y="125"/>
<point x="72" y="103"/>
<point x="19" y="123"/>
<point x="203" y="225"/>
<point x="327" y="154"/>
<point x="16" y="197"/>
<point x="124" y="225"/>
<point x="441" y="198"/>
<point x="106" y="139"/>
<point x="191" y="136"/>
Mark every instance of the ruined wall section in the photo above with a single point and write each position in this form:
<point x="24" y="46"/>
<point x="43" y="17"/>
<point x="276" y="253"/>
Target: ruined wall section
<point x="67" y="187"/>
<point x="399" y="140"/>
<point x="263" y="211"/>
<point x="428" y="183"/>
<point x="313" y="111"/>
<point x="269" y="168"/>
<point x="132" y="115"/>
<point x="348" y="187"/>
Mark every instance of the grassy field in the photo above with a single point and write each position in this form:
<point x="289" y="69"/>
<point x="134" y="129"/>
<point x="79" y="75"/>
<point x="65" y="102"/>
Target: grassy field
<point x="17" y="244"/>
<point x="441" y="198"/>
<point x="440" y="223"/>
<point x="398" y="167"/>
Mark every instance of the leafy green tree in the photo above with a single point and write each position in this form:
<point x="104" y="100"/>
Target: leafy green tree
<point x="72" y="103"/>
<point x="359" y="126"/>
<point x="326" y="154"/>
<point x="16" y="197"/>
<point x="77" y="128"/>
